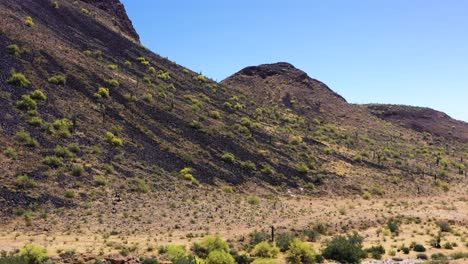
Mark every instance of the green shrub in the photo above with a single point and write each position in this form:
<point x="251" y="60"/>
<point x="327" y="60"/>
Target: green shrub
<point x="248" y="165"/>
<point x="448" y="245"/>
<point x="227" y="189"/>
<point x="27" y="103"/>
<point x="113" y="83"/>
<point x="24" y="182"/>
<point x="28" y="21"/>
<point x="220" y="257"/>
<point x="53" y="161"/>
<point x="38" y="95"/>
<point x="114" y="140"/>
<point x="393" y="225"/>
<point x="302" y="168"/>
<point x="102" y="93"/>
<point x="215" y="114"/>
<point x="265" y="250"/>
<point x="63" y="152"/>
<point x="346" y="249"/>
<point x="112" y="67"/>
<point x="300" y="253"/>
<point x="10" y="153"/>
<point x="283" y="241"/>
<point x="444" y="226"/>
<point x="128" y="63"/>
<point x="439" y="258"/>
<point x="253" y="200"/>
<point x="164" y="76"/>
<point x="86" y="11"/>
<point x="187" y="175"/>
<point x="209" y="244"/>
<point x="267" y="169"/>
<point x="55" y="5"/>
<point x="228" y="157"/>
<point x="35" y="121"/>
<point x="74" y="147"/>
<point x="61" y="128"/>
<point x="100" y="180"/>
<point x="140" y="186"/>
<point x="24" y="138"/>
<point x="421" y="256"/>
<point x="14" y="50"/>
<point x="18" y="79"/>
<point x="376" y="252"/>
<point x="58" y="79"/>
<point x="77" y="170"/>
<point x="33" y="254"/>
<point x="366" y="196"/>
<point x="258" y="236"/>
<point x="200" y="78"/>
<point x="150" y="261"/>
<point x="70" y="194"/>
<point x="419" y="248"/>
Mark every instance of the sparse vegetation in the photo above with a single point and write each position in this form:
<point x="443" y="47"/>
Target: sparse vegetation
<point x="28" y="21"/>
<point x="18" y="79"/>
<point x="58" y="79"/>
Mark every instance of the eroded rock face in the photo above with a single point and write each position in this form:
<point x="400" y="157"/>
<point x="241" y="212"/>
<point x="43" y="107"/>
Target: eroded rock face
<point x="116" y="9"/>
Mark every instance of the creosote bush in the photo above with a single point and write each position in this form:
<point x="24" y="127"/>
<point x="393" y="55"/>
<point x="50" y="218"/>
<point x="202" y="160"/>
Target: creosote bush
<point x="25" y="182"/>
<point x="113" y="83"/>
<point x="102" y="93"/>
<point x="58" y="79"/>
<point x="29" y="21"/>
<point x="114" y="140"/>
<point x="300" y="253"/>
<point x="345" y="249"/>
<point x="33" y="254"/>
<point x="25" y="138"/>
<point x="209" y="244"/>
<point x="228" y="157"/>
<point x="53" y="161"/>
<point x="265" y="250"/>
<point x="26" y="103"/>
<point x="253" y="200"/>
<point x="10" y="153"/>
<point x="18" y="79"/>
<point x="187" y="175"/>
<point x="14" y="50"/>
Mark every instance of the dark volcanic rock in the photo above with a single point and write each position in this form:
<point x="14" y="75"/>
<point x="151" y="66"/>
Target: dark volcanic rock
<point x="116" y="9"/>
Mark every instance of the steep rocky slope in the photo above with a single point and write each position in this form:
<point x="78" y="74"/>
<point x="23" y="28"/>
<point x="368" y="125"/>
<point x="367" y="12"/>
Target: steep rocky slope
<point x="87" y="113"/>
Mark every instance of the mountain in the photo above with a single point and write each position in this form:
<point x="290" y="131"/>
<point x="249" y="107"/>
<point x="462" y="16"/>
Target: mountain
<point x="88" y="111"/>
<point x="422" y="119"/>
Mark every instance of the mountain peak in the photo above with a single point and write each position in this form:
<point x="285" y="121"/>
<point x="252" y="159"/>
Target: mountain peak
<point x="272" y="69"/>
<point x="116" y="9"/>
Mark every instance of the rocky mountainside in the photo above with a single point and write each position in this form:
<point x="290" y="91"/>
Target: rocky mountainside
<point x="88" y="112"/>
<point x="422" y="119"/>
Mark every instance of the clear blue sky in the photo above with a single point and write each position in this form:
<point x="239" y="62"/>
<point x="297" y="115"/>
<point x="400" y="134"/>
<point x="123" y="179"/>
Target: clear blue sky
<point x="411" y="52"/>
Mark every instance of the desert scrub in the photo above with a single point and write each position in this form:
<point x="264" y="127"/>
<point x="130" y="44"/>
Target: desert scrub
<point x="100" y="180"/>
<point x="112" y="67"/>
<point x="18" y="79"/>
<point x="25" y="182"/>
<point x="63" y="152"/>
<point x="14" y="50"/>
<point x="25" y="138"/>
<point x="140" y="186"/>
<point x="26" y="103"/>
<point x="143" y="61"/>
<point x="215" y="114"/>
<point x="113" y="83"/>
<point x="253" y="200"/>
<point x="302" y="168"/>
<point x="366" y="196"/>
<point x="267" y="169"/>
<point x="186" y="174"/>
<point x="77" y="170"/>
<point x="70" y="194"/>
<point x="227" y="189"/>
<point x="61" y="128"/>
<point x="265" y="250"/>
<point x="300" y="253"/>
<point x="10" y="153"/>
<point x="53" y="161"/>
<point x="209" y="244"/>
<point x="33" y="254"/>
<point x="58" y="79"/>
<point x="228" y="157"/>
<point x="345" y="249"/>
<point x="114" y="140"/>
<point x="38" y="95"/>
<point x="28" y="21"/>
<point x="164" y="76"/>
<point x="248" y="165"/>
<point x="200" y="78"/>
<point x="102" y="93"/>
<point x="86" y="11"/>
